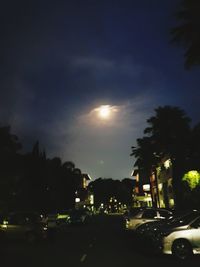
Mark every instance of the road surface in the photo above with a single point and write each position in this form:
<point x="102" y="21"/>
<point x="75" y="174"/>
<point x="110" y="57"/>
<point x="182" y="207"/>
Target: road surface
<point x="101" y="243"/>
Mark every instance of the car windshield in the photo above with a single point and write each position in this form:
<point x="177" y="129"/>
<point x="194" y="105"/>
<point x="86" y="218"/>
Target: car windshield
<point x="133" y="212"/>
<point x="183" y="220"/>
<point x="25" y="217"/>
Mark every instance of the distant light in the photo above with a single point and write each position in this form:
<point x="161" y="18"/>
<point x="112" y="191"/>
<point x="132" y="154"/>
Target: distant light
<point x="91" y="199"/>
<point x="171" y="202"/>
<point x="77" y="200"/>
<point x="146" y="187"/>
<point x="160" y="186"/>
<point x="63" y="216"/>
<point x="5" y="224"/>
<point x="167" y="164"/>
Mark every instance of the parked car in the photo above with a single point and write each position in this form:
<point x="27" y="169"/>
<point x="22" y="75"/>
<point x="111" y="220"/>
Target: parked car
<point x="182" y="237"/>
<point x="56" y="219"/>
<point x="63" y="218"/>
<point x="51" y="220"/>
<point x="144" y="215"/>
<point x="131" y="212"/>
<point x="25" y="226"/>
<point x="179" y="236"/>
<point x="78" y="216"/>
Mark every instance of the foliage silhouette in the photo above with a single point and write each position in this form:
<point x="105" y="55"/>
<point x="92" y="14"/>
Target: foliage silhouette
<point x="187" y="32"/>
<point x="169" y="134"/>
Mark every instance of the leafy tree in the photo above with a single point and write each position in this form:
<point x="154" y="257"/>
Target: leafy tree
<point x="126" y="192"/>
<point x="105" y="189"/>
<point x="187" y="32"/>
<point x="9" y="143"/>
<point x="194" y="159"/>
<point x="168" y="135"/>
<point x="9" y="166"/>
<point x="192" y="178"/>
<point x="31" y="181"/>
<point x="169" y="130"/>
<point x="145" y="154"/>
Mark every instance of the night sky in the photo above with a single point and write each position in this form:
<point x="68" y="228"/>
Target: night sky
<point x="61" y="60"/>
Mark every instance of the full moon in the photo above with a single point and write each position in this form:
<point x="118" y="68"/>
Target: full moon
<point x="104" y="111"/>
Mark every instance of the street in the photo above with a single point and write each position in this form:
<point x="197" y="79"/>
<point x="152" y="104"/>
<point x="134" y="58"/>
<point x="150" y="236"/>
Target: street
<point x="102" y="242"/>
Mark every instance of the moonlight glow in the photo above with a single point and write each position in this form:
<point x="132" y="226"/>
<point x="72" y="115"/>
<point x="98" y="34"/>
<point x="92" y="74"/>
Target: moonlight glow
<point x="103" y="115"/>
<point x="104" y="111"/>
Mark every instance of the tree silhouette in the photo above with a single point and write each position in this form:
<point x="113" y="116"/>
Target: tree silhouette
<point x="169" y="130"/>
<point x="187" y="32"/>
<point x="31" y="181"/>
<point x="9" y="166"/>
<point x="9" y="143"/>
<point x="168" y="135"/>
<point x="105" y="189"/>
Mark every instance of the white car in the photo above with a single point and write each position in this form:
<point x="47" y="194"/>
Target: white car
<point x="144" y="215"/>
<point x="183" y="238"/>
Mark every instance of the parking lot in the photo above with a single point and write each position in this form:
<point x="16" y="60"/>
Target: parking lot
<point x="102" y="242"/>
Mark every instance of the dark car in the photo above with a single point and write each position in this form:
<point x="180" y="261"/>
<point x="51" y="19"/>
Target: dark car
<point x="24" y="226"/>
<point x="78" y="216"/>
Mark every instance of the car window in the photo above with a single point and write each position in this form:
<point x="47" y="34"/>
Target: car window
<point x="164" y="214"/>
<point x="149" y="214"/>
<point x="138" y="215"/>
<point x="134" y="212"/>
<point x="184" y="220"/>
<point x="196" y="223"/>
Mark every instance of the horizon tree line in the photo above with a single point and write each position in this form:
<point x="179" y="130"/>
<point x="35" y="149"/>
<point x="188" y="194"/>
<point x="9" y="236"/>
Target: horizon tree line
<point x="31" y="181"/>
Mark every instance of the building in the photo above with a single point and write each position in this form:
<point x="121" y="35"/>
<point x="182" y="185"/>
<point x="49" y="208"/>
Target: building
<point x="142" y="191"/>
<point x="155" y="189"/>
<point x="165" y="191"/>
<point x="83" y="197"/>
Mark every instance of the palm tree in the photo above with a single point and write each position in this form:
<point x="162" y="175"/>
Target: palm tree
<point x="187" y="33"/>
<point x="168" y="135"/>
<point x="144" y="153"/>
<point x="169" y="130"/>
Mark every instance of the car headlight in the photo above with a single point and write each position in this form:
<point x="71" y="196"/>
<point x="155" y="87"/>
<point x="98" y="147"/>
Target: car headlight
<point x="4" y="224"/>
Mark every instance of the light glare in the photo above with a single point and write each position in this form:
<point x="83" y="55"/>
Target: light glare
<point x="104" y="111"/>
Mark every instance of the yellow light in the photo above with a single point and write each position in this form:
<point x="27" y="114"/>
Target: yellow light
<point x="167" y="164"/>
<point x="192" y="178"/>
<point x="5" y="224"/>
<point x="146" y="187"/>
<point x="160" y="186"/>
<point x="62" y="216"/>
<point x="171" y="202"/>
